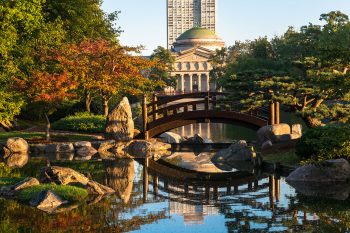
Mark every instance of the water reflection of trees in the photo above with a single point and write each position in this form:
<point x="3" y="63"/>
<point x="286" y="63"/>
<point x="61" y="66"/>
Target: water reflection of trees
<point x="258" y="205"/>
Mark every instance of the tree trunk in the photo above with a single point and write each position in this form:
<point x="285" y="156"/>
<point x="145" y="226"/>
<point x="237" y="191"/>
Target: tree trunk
<point x="105" y="107"/>
<point x="88" y="101"/>
<point x="317" y="104"/>
<point x="48" y="126"/>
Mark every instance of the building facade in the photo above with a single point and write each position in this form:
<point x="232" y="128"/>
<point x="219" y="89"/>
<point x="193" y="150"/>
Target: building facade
<point x="183" y="15"/>
<point x="192" y="51"/>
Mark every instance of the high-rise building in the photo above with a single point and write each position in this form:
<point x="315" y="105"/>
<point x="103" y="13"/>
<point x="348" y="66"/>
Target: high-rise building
<point x="186" y="14"/>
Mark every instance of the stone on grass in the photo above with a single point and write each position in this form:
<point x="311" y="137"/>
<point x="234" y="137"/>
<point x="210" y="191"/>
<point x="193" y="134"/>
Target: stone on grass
<point x="99" y="189"/>
<point x="47" y="201"/>
<point x="120" y="125"/>
<point x="28" y="182"/>
<point x="238" y="151"/>
<point x="61" y="176"/>
<point x="78" y="145"/>
<point x="17" y="160"/>
<point x="17" y="145"/>
<point x="331" y="171"/>
<point x="170" y="137"/>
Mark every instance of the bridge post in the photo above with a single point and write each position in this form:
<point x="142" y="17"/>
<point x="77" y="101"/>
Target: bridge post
<point x="145" y="117"/>
<point x="272" y="114"/>
<point x="155" y="107"/>
<point x="277" y="113"/>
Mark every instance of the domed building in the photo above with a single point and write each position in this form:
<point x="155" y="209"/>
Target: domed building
<point x="192" y="50"/>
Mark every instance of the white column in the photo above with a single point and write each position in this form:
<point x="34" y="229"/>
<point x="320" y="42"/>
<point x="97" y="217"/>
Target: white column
<point x="191" y="83"/>
<point x="182" y="83"/>
<point x="208" y="83"/>
<point x="199" y="82"/>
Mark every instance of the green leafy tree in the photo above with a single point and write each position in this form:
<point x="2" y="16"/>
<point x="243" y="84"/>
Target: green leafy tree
<point x="165" y="65"/>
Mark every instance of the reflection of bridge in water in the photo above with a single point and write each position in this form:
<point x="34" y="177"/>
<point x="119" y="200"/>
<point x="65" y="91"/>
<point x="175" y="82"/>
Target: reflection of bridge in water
<point x="196" y="195"/>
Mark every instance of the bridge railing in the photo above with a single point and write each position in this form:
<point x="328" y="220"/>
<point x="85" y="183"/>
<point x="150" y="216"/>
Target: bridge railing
<point x="164" y="106"/>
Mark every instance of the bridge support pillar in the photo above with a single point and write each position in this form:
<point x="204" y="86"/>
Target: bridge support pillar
<point x="272" y="113"/>
<point x="277" y="113"/>
<point x="145" y="117"/>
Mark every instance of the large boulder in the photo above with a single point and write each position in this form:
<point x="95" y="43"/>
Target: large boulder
<point x="78" y="145"/>
<point x="99" y="189"/>
<point x="17" y="145"/>
<point x="120" y="125"/>
<point x="47" y="201"/>
<point x="238" y="151"/>
<point x="170" y="137"/>
<point x="273" y="133"/>
<point x="103" y="146"/>
<point x="17" y="160"/>
<point x="331" y="171"/>
<point x="191" y="161"/>
<point x="199" y="139"/>
<point x="28" y="182"/>
<point x="61" y="176"/>
<point x="142" y="148"/>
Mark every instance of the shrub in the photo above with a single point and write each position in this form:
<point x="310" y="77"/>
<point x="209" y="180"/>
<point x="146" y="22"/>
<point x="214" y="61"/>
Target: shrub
<point x="81" y="122"/>
<point x="328" y="142"/>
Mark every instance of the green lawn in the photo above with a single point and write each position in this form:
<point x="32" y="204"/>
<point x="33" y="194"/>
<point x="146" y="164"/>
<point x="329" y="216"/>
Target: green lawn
<point x="4" y="181"/>
<point x="285" y="158"/>
<point x="41" y="136"/>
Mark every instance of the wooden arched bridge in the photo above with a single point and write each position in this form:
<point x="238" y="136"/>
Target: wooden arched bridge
<point x="167" y="112"/>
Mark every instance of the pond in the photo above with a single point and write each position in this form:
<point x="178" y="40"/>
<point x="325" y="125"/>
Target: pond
<point x="153" y="196"/>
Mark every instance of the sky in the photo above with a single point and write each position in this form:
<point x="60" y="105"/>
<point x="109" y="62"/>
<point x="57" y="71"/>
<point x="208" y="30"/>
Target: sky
<point x="144" y="21"/>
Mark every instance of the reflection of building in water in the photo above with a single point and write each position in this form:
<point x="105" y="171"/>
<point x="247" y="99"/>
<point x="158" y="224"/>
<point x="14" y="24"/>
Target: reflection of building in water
<point x="203" y="129"/>
<point x="218" y="132"/>
<point x="193" y="214"/>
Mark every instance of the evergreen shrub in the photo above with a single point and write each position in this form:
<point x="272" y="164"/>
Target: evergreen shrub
<point x="81" y="122"/>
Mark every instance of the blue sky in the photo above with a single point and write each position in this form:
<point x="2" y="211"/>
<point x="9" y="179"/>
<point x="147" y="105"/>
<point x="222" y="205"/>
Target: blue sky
<point x="144" y="21"/>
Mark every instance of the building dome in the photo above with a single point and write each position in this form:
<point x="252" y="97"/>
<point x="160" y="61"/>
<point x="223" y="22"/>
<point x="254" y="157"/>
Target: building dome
<point x="198" y="33"/>
<point x="198" y="37"/>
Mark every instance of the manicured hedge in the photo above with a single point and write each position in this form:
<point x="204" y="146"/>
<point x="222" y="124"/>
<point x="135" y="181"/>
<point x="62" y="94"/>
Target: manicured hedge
<point x="81" y="122"/>
<point x="328" y="142"/>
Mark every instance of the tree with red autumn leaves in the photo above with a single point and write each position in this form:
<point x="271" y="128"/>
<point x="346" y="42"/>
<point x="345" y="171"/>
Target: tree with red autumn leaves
<point x="105" y="69"/>
<point x="48" y="90"/>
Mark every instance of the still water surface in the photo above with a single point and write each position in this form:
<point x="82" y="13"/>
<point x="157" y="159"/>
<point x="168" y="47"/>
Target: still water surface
<point x="149" y="199"/>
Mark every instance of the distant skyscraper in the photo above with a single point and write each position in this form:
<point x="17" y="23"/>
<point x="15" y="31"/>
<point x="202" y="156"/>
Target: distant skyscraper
<point x="186" y="14"/>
